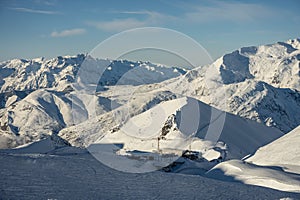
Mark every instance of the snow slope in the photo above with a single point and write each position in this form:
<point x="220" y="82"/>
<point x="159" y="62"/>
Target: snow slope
<point x="283" y="152"/>
<point x="71" y="173"/>
<point x="256" y="175"/>
<point x="276" y="64"/>
<point x="178" y="122"/>
<point x="45" y="112"/>
<point x="40" y="113"/>
<point x="240" y="83"/>
<point x="275" y="165"/>
<point x="85" y="133"/>
<point x="43" y="146"/>
<point x="38" y="97"/>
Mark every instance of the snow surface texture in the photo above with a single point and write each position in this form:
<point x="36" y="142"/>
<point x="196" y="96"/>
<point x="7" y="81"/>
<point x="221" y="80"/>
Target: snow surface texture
<point x="256" y="175"/>
<point x="64" y="172"/>
<point x="283" y="152"/>
<point x="275" y="165"/>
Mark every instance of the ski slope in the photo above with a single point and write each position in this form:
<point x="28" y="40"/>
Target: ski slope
<point x="171" y="127"/>
<point x="192" y="119"/>
<point x="130" y="119"/>
<point x="71" y="173"/>
<point x="275" y="165"/>
<point x="266" y="176"/>
<point x="283" y="152"/>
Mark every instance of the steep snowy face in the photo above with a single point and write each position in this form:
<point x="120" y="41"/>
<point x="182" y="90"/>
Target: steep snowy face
<point x="136" y="73"/>
<point x="59" y="72"/>
<point x="33" y="74"/>
<point x="277" y="64"/>
<point x="234" y="68"/>
<point x="258" y="83"/>
<point x="40" y="113"/>
<point x="85" y="133"/>
<point x="271" y="93"/>
<point x="283" y="152"/>
<point x="180" y="124"/>
<point x="259" y="101"/>
<point x="37" y="96"/>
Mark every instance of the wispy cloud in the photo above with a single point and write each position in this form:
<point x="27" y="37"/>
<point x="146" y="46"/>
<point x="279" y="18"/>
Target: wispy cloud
<point x="204" y="12"/>
<point x="117" y="24"/>
<point x="69" y="32"/>
<point x="29" y="10"/>
<point x="46" y="2"/>
<point x="151" y="19"/>
<point x="139" y="12"/>
<point x="228" y="11"/>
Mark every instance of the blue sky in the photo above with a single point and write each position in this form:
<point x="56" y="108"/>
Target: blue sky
<point x="35" y="28"/>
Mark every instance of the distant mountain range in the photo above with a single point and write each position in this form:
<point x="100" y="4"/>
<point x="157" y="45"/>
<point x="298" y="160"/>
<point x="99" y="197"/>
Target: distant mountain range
<point x="236" y="119"/>
<point x="38" y="99"/>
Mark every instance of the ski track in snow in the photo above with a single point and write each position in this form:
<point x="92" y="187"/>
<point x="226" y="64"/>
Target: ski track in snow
<point x="80" y="176"/>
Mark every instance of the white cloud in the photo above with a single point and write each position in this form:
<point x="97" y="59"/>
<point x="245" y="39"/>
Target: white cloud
<point x="213" y="11"/>
<point x="228" y="11"/>
<point x="29" y="10"/>
<point x="139" y="12"/>
<point x="46" y="2"/>
<point x="70" y="32"/>
<point x="151" y="19"/>
<point x="118" y="24"/>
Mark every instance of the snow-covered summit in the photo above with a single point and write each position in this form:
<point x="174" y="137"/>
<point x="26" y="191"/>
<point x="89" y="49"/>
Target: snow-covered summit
<point x="259" y="83"/>
<point x="58" y="73"/>
<point x="22" y="75"/>
<point x="276" y="64"/>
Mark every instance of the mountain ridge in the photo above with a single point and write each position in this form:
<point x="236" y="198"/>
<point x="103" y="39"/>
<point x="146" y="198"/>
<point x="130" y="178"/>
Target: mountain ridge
<point x="258" y="83"/>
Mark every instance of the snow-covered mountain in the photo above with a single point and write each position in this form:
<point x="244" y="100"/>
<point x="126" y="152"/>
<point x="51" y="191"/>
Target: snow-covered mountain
<point x="58" y="73"/>
<point x="42" y="112"/>
<point x="276" y="64"/>
<point x="154" y="110"/>
<point x="180" y="122"/>
<point x="36" y="96"/>
<point x="23" y="75"/>
<point x="172" y="122"/>
<point x="259" y="83"/>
